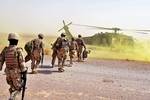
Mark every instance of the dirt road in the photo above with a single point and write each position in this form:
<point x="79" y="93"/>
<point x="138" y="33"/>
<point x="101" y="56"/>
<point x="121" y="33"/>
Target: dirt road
<point x="92" y="80"/>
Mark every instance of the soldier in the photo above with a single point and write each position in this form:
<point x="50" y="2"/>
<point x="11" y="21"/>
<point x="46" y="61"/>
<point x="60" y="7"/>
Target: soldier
<point x="73" y="46"/>
<point x="55" y="47"/>
<point x="12" y="56"/>
<point x="36" y="53"/>
<point x="81" y="45"/>
<point x="60" y="49"/>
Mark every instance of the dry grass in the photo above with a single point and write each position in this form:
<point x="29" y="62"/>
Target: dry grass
<point x="48" y="40"/>
<point x="140" y="52"/>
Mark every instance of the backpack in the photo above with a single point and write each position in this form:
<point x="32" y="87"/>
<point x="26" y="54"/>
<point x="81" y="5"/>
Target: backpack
<point x="80" y="42"/>
<point x="72" y="45"/>
<point x="28" y="46"/>
<point x="65" y="44"/>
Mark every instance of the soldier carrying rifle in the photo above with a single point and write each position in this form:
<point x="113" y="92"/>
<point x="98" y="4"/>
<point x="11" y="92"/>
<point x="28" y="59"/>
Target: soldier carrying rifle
<point x="15" y="68"/>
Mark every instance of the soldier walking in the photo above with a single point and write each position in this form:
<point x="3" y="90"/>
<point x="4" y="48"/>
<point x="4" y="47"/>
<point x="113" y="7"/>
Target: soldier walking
<point x="81" y="45"/>
<point x="12" y="56"/>
<point x="55" y="47"/>
<point x="60" y="49"/>
<point x="35" y="53"/>
<point x="73" y="46"/>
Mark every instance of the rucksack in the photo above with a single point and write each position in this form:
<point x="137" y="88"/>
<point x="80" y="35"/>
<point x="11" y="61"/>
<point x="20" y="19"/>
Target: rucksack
<point x="80" y="42"/>
<point x="65" y="44"/>
<point x="28" y="46"/>
<point x="72" y="45"/>
<point x="85" y="54"/>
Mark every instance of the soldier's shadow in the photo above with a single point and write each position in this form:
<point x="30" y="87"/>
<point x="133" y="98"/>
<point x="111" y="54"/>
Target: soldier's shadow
<point x="44" y="69"/>
<point x="47" y="71"/>
<point x="45" y="66"/>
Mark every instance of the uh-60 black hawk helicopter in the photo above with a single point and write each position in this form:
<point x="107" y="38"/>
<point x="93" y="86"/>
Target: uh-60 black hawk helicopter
<point x="114" y="37"/>
<point x="107" y="37"/>
<point x="114" y="29"/>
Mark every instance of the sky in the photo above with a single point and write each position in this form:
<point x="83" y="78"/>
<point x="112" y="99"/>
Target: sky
<point x="45" y="16"/>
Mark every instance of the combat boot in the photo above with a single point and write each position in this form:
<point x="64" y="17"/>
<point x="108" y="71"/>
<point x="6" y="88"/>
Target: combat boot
<point x="70" y="65"/>
<point x="14" y="95"/>
<point x="34" y="72"/>
<point x="61" y="70"/>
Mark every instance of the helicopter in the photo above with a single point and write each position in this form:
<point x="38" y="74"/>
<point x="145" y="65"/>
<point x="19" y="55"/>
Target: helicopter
<point x="66" y="29"/>
<point x="115" y="29"/>
<point x="114" y="37"/>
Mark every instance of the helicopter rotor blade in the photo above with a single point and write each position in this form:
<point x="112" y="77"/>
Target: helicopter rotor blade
<point x="64" y="22"/>
<point x="102" y="28"/>
<point x="116" y="29"/>
<point x="60" y="29"/>
<point x="144" y="30"/>
<point x="136" y="31"/>
<point x="69" y="24"/>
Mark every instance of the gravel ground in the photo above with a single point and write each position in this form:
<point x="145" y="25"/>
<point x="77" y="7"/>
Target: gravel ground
<point x="90" y="80"/>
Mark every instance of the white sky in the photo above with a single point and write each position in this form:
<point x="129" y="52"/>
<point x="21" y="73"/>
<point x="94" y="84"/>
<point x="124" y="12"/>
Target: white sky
<point x="35" y="16"/>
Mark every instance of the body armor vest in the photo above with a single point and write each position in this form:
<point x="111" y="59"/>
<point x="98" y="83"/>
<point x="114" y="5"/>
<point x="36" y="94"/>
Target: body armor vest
<point x="11" y="57"/>
<point x="72" y="45"/>
<point x="80" y="42"/>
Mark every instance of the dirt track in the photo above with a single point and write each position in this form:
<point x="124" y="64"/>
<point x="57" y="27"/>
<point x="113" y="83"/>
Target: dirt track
<point x="92" y="80"/>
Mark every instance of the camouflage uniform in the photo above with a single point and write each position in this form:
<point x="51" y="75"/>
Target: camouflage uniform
<point x="60" y="49"/>
<point x="62" y="54"/>
<point x="36" y="53"/>
<point x="81" y="44"/>
<point x="55" y="47"/>
<point x="73" y="46"/>
<point x="12" y="56"/>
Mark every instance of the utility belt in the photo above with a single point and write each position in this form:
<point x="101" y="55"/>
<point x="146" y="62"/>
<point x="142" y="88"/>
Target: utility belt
<point x="12" y="70"/>
<point x="12" y="67"/>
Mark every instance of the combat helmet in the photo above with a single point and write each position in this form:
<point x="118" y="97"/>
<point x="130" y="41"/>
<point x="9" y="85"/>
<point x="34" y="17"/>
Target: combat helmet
<point x="41" y="36"/>
<point x="63" y="34"/>
<point x="79" y="36"/>
<point x="13" y="36"/>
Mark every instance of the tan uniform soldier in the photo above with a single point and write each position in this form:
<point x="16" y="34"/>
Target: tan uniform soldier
<point x="73" y="46"/>
<point x="37" y="52"/>
<point x="55" y="47"/>
<point x="12" y="56"/>
<point x="81" y="45"/>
